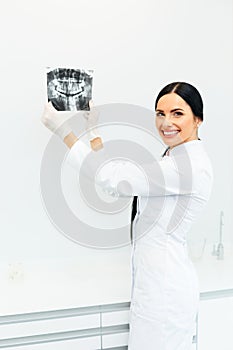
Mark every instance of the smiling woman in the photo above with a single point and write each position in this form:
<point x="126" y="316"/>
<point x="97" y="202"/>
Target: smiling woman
<point x="176" y="188"/>
<point x="179" y="113"/>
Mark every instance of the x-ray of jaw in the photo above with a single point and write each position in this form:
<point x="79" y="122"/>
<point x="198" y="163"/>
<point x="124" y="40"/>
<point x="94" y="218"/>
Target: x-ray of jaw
<point x="69" y="89"/>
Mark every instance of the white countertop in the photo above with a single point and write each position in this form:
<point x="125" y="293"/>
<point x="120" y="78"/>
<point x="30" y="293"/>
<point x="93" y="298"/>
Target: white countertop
<point x="61" y="284"/>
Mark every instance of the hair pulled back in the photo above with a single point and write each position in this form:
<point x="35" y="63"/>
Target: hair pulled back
<point x="188" y="93"/>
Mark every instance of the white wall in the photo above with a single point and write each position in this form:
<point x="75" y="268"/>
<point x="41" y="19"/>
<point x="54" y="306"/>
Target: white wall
<point x="135" y="48"/>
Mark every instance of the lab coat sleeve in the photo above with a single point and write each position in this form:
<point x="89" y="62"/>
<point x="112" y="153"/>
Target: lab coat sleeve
<point x="125" y="179"/>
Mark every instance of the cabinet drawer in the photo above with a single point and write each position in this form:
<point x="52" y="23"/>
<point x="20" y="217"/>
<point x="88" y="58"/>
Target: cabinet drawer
<point x="115" y="318"/>
<point x="92" y="343"/>
<point x="49" y="326"/>
<point x="114" y="340"/>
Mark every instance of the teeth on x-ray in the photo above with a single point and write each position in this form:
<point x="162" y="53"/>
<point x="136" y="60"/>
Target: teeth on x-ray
<point x="69" y="89"/>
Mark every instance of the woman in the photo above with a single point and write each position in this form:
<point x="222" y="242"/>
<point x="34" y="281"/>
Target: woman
<point x="165" y="293"/>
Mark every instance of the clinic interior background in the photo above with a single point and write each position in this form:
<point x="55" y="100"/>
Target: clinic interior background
<point x="134" y="48"/>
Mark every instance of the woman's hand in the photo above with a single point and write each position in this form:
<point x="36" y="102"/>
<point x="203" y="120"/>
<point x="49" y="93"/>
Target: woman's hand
<point x="57" y="121"/>
<point x="92" y="118"/>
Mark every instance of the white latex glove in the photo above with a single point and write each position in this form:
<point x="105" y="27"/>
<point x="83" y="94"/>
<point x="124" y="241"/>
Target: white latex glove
<point x="57" y="121"/>
<point x="92" y="118"/>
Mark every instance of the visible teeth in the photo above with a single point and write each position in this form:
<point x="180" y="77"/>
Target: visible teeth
<point x="170" y="132"/>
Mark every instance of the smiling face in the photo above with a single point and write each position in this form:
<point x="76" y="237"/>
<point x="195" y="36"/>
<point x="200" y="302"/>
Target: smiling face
<point x="175" y="120"/>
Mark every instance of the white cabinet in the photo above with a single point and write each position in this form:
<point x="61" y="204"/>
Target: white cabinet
<point x="88" y="328"/>
<point x="106" y="327"/>
<point x="215" y="324"/>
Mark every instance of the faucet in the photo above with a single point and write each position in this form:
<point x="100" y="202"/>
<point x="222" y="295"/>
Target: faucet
<point x="219" y="252"/>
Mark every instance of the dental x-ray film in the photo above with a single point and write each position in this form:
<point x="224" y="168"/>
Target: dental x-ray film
<point x="69" y="89"/>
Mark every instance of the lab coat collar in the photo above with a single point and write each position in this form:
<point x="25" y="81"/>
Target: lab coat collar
<point x="185" y="146"/>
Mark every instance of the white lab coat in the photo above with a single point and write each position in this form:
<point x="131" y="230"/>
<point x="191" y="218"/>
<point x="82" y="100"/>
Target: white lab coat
<point x="171" y="194"/>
